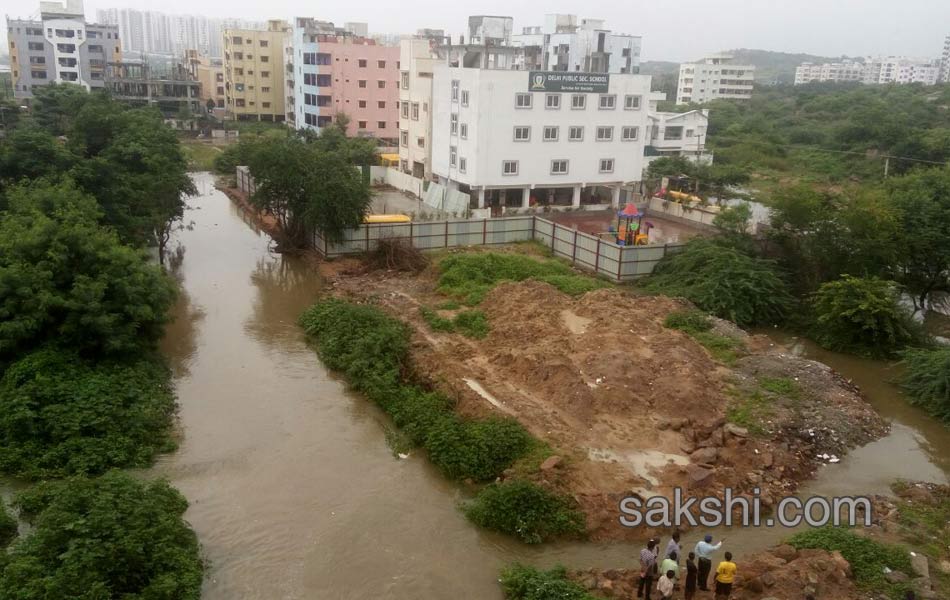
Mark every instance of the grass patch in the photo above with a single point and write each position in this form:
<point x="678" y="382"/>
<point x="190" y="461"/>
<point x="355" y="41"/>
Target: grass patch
<point x="697" y="325"/>
<point x="750" y="411"/>
<point x="449" y="305"/>
<point x="470" y="323"/>
<point x="926" y="526"/>
<point x="526" y="510"/>
<point x="522" y="582"/>
<point x="867" y="557"/>
<point x="469" y="277"/>
<point x="781" y="386"/>
<point x="200" y="156"/>
<point x="689" y="321"/>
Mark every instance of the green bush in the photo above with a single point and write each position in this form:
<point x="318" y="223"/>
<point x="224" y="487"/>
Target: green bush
<point x="724" y="282"/>
<point x="60" y="415"/>
<point x="470" y="276"/>
<point x="689" y="321"/>
<point x="867" y="557"/>
<point x="8" y="527"/>
<point x="521" y="582"/>
<point x="470" y="323"/>
<point x="108" y="537"/>
<point x="927" y="380"/>
<point x="862" y="316"/>
<point x="371" y="349"/>
<point x="526" y="510"/>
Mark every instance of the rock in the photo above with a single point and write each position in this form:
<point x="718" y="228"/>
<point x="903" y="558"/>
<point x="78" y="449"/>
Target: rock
<point x="841" y="563"/>
<point x="699" y="476"/>
<point x="735" y="430"/>
<point x="715" y="438"/>
<point x="663" y="424"/>
<point x="768" y="459"/>
<point x="768" y="580"/>
<point x="705" y="455"/>
<point x="945" y="566"/>
<point x="921" y="585"/>
<point x="687" y="446"/>
<point x="896" y="577"/>
<point x="920" y="565"/>
<point x="550" y="462"/>
<point x="786" y="551"/>
<point x="605" y="585"/>
<point x="755" y="585"/>
<point x="678" y="424"/>
<point x="612" y="574"/>
<point x="590" y="582"/>
<point x="813" y="579"/>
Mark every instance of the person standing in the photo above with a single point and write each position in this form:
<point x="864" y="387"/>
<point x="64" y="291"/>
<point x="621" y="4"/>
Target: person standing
<point x="704" y="550"/>
<point x="665" y="585"/>
<point x="647" y="566"/>
<point x="691" y="573"/>
<point x="673" y="546"/>
<point x="725" y="575"/>
<point x="670" y="565"/>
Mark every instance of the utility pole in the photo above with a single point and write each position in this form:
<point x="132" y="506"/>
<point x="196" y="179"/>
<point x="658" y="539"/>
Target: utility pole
<point x="887" y="164"/>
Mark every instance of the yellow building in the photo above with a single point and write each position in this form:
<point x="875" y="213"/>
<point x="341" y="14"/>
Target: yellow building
<point x="254" y="72"/>
<point x="209" y="73"/>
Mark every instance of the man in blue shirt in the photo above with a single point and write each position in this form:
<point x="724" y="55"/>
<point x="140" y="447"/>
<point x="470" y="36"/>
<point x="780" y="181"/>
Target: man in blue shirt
<point x="704" y="550"/>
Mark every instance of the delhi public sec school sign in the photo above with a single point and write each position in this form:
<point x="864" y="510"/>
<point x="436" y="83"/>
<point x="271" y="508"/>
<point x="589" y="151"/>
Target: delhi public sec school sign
<point x="566" y="81"/>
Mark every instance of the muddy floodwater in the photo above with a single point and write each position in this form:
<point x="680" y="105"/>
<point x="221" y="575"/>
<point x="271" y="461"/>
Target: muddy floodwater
<point x="294" y="492"/>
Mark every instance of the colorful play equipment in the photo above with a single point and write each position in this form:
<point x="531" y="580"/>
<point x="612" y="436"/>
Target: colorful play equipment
<point x="631" y="230"/>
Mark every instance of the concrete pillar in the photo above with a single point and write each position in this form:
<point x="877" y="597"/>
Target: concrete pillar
<point x="576" y="201"/>
<point x="503" y="197"/>
<point x="481" y="197"/>
<point x="615" y="196"/>
<point x="526" y="197"/>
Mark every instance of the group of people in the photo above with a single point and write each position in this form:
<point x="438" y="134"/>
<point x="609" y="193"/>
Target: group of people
<point x="666" y="571"/>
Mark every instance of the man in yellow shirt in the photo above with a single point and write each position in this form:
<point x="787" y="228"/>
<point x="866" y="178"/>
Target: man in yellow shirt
<point x="725" y="575"/>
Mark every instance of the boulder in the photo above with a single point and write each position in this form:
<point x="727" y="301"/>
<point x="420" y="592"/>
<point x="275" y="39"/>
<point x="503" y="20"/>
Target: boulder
<point x="768" y="580"/>
<point x="550" y="462"/>
<point x="734" y="430"/>
<point x="786" y="551"/>
<point x="896" y="577"/>
<point x="705" y="455"/>
<point x="699" y="476"/>
<point x="755" y="585"/>
<point x="920" y="565"/>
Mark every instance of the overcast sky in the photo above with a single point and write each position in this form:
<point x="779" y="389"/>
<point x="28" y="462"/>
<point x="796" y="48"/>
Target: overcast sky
<point x="674" y="30"/>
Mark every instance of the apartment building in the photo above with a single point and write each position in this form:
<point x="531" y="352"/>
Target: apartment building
<point x="336" y="72"/>
<point x="714" y="78"/>
<point x="254" y="72"/>
<point x="153" y="32"/>
<point x="945" y="61"/>
<point x="569" y="44"/>
<point x="901" y="70"/>
<point x="834" y="72"/>
<point x="209" y="73"/>
<point x="60" y="47"/>
<point x="418" y="59"/>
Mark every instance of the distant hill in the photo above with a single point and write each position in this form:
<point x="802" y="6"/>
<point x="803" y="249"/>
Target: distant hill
<point x="659" y="67"/>
<point x="770" y="67"/>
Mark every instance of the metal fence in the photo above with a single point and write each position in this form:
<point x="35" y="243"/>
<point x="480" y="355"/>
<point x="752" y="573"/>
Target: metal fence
<point x="586" y="251"/>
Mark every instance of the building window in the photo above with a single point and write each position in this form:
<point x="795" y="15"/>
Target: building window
<point x="263" y="43"/>
<point x="309" y="58"/>
<point x="522" y="133"/>
<point x="265" y="104"/>
<point x="265" y="90"/>
<point x="381" y="84"/>
<point x="464" y="97"/>
<point x="381" y="124"/>
<point x="310" y="79"/>
<point x="415" y="111"/>
<point x="605" y="134"/>
<point x="362" y="103"/>
<point x="523" y="100"/>
<point x="579" y="101"/>
<point x="463" y="165"/>
<point x="361" y="124"/>
<point x="559" y="166"/>
<point x="454" y="124"/>
<point x="421" y="142"/>
<point x="631" y="102"/>
<point x="381" y="64"/>
<point x="323" y="59"/>
<point x="608" y="102"/>
<point x="265" y="74"/>
<point x="552" y="101"/>
<point x="380" y="104"/>
<point x="362" y="63"/>
<point x="606" y="165"/>
<point x="34" y="45"/>
<point x="453" y="155"/>
<point x="404" y="138"/>
<point x="550" y="133"/>
<point x="673" y="133"/>
<point x="265" y="58"/>
<point x="575" y="133"/>
<point x="463" y="131"/>
<point x="405" y="80"/>
<point x="404" y="109"/>
<point x="455" y="90"/>
<point x="509" y="167"/>
<point x="630" y="134"/>
<point x="361" y="83"/>
<point x="324" y="81"/>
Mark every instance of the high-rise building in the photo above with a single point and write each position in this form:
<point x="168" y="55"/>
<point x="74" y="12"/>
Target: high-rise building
<point x="569" y="44"/>
<point x="945" y="61"/>
<point x="714" y="78"/>
<point x="60" y="47"/>
<point x="336" y="72"/>
<point x="209" y="73"/>
<point x="417" y="60"/>
<point x="254" y="72"/>
<point x="900" y="69"/>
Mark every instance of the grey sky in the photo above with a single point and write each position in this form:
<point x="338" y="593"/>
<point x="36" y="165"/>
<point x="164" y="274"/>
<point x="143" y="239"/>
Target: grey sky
<point x="672" y="29"/>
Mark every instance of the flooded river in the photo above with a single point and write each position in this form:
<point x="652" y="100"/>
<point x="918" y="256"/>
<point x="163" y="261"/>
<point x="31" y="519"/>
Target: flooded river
<point x="293" y="490"/>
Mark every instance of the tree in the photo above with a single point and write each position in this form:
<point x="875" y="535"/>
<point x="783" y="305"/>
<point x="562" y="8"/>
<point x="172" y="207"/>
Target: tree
<point x="54" y="106"/>
<point x="723" y="281"/>
<point x="333" y="138"/>
<point x="210" y="105"/>
<point x="307" y="189"/>
<point x="927" y="380"/>
<point x="66" y="279"/>
<point x="61" y="415"/>
<point x="29" y="152"/>
<point x="109" y="537"/>
<point x="862" y="316"/>
<point x="721" y="178"/>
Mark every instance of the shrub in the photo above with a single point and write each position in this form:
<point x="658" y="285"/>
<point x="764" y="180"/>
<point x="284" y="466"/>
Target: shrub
<point x="526" y="510"/>
<point x="862" y="316"/>
<point x="470" y="276"/>
<point x="470" y="323"/>
<point x="867" y="557"/>
<point x="8" y="527"/>
<point x="689" y="321"/>
<point x="478" y="450"/>
<point x="60" y="415"/>
<point x="107" y="537"/>
<point x="724" y="282"/>
<point x="927" y="380"/>
<point x="521" y="582"/>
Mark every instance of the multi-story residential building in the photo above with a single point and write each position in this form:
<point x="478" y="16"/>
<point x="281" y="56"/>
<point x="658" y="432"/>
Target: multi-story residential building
<point x="714" y="78"/>
<point x="173" y="90"/>
<point x="254" y="72"/>
<point x="417" y="59"/>
<point x="209" y="73"/>
<point x="900" y="69"/>
<point x="60" y="47"/>
<point x="945" y="61"/>
<point x="567" y="44"/>
<point x="507" y="135"/>
<point x="152" y="32"/>
<point x="835" y="72"/>
<point x="336" y="72"/>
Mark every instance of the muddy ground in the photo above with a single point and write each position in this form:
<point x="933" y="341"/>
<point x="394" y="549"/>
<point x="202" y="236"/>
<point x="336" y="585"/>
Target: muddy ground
<point x="629" y="406"/>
